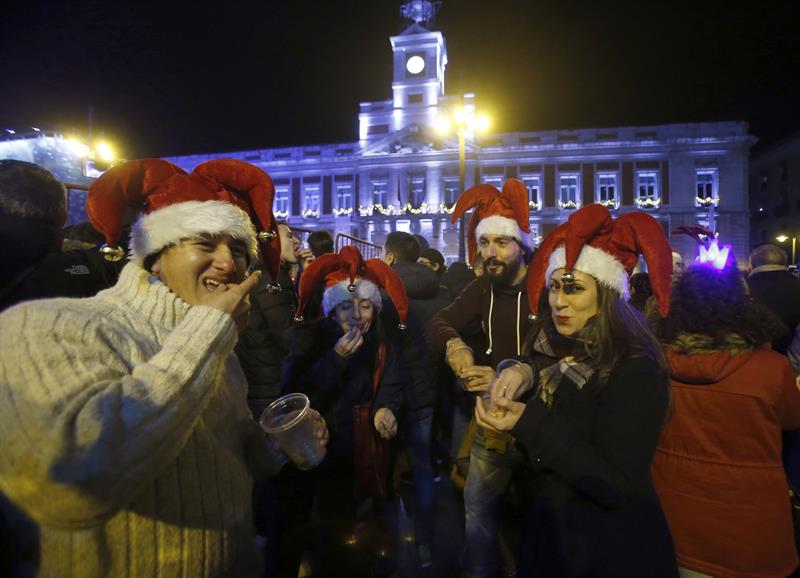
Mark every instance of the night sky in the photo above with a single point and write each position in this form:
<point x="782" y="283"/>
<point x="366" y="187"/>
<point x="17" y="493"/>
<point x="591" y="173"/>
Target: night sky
<point x="175" y="78"/>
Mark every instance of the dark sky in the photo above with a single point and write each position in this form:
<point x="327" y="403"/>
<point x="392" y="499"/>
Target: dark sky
<point x="176" y="78"/>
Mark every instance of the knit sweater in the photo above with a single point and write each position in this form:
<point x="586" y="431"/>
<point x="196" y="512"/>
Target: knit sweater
<point x="126" y="434"/>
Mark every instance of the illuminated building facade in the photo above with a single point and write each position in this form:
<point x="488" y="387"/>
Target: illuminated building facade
<point x="401" y="175"/>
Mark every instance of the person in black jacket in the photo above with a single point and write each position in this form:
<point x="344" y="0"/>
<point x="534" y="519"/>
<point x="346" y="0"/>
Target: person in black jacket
<point x="32" y="213"/>
<point x="586" y="408"/>
<point x="336" y="361"/>
<point x="421" y="369"/>
<point x="771" y="283"/>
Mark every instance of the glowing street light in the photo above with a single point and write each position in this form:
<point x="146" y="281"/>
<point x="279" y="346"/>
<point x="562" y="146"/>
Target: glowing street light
<point x="104" y="151"/>
<point x="465" y="123"/>
<point x="782" y="239"/>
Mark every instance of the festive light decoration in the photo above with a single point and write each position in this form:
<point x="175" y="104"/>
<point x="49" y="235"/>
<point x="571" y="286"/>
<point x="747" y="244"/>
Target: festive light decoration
<point x="535" y="205"/>
<point x="343" y="212"/>
<point x="612" y="204"/>
<point x="714" y="256"/>
<point x="706" y="201"/>
<point x="310" y="214"/>
<point x="648" y="202"/>
<point x="408" y="208"/>
<point x="281" y="214"/>
<point x="568" y="205"/>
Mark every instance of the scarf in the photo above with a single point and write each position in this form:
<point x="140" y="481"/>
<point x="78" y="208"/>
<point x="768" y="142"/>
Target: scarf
<point x="559" y="357"/>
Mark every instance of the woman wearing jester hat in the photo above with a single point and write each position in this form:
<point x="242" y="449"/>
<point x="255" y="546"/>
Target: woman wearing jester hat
<point x="587" y="406"/>
<point x="718" y="468"/>
<point x="338" y="360"/>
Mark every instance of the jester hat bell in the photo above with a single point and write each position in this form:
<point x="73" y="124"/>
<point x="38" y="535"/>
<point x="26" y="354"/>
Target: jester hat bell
<point x="346" y="275"/>
<point x="222" y="196"/>
<point x="497" y="212"/>
<point x="607" y="249"/>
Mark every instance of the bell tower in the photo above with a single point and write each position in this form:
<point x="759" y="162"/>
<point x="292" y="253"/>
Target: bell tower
<point x="419" y="59"/>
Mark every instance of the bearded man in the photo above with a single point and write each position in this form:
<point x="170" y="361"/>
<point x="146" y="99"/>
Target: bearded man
<point x="498" y="301"/>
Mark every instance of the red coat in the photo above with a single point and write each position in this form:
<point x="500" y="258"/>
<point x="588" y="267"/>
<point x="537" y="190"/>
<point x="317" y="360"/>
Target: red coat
<point x="717" y="469"/>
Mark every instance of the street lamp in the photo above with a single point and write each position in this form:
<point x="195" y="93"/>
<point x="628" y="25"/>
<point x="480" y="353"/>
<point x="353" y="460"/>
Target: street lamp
<point x="783" y="239"/>
<point x="466" y="123"/>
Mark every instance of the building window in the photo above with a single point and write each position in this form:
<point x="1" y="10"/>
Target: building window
<point x="280" y="207"/>
<point x="607" y="190"/>
<point x="494" y="180"/>
<point x="451" y="191"/>
<point x="647" y="190"/>
<point x="344" y="200"/>
<point x="706" y="187"/>
<point x="380" y="193"/>
<point x="532" y="183"/>
<point x="416" y="192"/>
<point x="311" y="202"/>
<point x="569" y="191"/>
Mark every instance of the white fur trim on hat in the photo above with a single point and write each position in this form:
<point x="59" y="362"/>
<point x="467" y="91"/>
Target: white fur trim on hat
<point x="190" y="219"/>
<point x="497" y="225"/>
<point x="335" y="294"/>
<point x="603" y="267"/>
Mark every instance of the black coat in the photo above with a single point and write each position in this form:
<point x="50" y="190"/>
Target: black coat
<point x="335" y="384"/>
<point x="780" y="291"/>
<point x="265" y="342"/>
<point x="419" y="367"/>
<point x="591" y="506"/>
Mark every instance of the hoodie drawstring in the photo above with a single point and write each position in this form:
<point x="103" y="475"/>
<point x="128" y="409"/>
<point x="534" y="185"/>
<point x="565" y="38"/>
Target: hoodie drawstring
<point x="491" y="309"/>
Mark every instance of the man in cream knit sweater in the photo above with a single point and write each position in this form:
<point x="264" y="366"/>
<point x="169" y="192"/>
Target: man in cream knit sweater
<point x="127" y="443"/>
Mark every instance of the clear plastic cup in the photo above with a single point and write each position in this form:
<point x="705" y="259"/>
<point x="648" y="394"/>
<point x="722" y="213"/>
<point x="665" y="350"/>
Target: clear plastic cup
<point x="492" y="408"/>
<point x="288" y="419"/>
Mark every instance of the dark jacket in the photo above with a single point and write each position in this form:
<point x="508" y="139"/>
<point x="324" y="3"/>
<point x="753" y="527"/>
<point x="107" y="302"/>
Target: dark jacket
<point x="80" y="273"/>
<point x="501" y="312"/>
<point x="591" y="507"/>
<point x="780" y="291"/>
<point x="265" y="342"/>
<point x="418" y="365"/>
<point x="335" y="384"/>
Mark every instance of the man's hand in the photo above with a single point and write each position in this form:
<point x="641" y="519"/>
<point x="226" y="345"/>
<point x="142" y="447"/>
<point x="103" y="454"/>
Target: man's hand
<point x="349" y="343"/>
<point x="502" y="421"/>
<point x="476" y="377"/>
<point x="385" y="423"/>
<point x="234" y="298"/>
<point x="460" y="359"/>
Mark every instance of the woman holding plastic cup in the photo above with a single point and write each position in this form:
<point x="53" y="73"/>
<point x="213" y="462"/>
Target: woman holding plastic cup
<point x="588" y="404"/>
<point x="346" y="366"/>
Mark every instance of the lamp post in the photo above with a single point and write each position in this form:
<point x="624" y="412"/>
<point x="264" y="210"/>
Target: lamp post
<point x="783" y="239"/>
<point x="465" y="123"/>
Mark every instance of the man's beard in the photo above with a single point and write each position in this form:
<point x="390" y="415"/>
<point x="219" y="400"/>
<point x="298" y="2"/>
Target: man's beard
<point x="504" y="277"/>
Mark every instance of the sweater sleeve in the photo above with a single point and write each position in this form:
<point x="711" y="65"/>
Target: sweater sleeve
<point x="84" y="427"/>
<point x="451" y="321"/>
<point x="788" y="404"/>
<point x="630" y="412"/>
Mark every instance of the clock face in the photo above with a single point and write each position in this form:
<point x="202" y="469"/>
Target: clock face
<point x="415" y="64"/>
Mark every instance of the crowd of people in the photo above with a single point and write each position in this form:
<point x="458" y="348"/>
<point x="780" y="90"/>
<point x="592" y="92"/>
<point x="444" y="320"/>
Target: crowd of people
<point x="601" y="405"/>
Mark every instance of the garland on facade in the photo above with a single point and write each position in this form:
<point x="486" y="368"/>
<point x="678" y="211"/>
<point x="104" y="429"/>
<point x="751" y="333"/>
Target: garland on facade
<point x="648" y="202"/>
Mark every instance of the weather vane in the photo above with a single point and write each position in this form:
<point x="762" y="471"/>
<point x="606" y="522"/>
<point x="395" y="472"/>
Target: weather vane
<point x="420" y="10"/>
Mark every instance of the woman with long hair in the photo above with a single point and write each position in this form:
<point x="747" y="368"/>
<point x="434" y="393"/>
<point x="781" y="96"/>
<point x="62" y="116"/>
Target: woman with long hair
<point x="587" y="406"/>
<point x="717" y="468"/>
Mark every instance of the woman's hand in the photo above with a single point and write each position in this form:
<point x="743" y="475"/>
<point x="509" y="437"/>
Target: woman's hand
<point x="385" y="423"/>
<point x="349" y="343"/>
<point x="320" y="428"/>
<point x="476" y="377"/>
<point x="512" y="381"/>
<point x="502" y="421"/>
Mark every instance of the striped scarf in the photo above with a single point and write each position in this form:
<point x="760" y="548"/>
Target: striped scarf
<point x="558" y="357"/>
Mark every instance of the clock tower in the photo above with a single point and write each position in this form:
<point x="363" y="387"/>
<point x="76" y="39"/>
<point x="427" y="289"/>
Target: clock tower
<point x="419" y="61"/>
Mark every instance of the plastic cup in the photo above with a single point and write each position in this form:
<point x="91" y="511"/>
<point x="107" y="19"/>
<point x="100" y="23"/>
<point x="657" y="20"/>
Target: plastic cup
<point x="288" y="419"/>
<point x="491" y="408"/>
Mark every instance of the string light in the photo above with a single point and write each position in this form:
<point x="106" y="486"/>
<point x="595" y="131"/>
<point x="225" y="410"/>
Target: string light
<point x="648" y="202"/>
